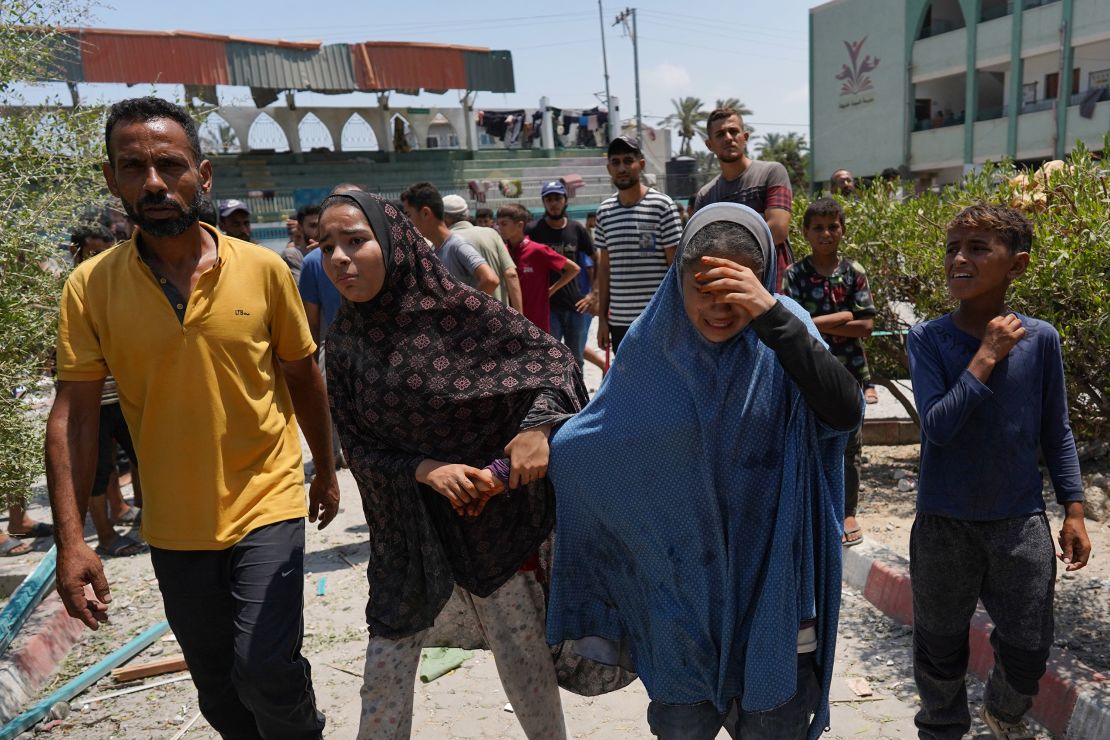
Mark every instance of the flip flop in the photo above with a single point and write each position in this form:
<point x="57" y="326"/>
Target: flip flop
<point x="116" y="549"/>
<point x="851" y="543"/>
<point x="38" y="529"/>
<point x="9" y="545"/>
<point x="132" y="518"/>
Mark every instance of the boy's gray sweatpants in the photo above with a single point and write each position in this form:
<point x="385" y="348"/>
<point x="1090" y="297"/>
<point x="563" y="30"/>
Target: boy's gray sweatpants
<point x="1011" y="565"/>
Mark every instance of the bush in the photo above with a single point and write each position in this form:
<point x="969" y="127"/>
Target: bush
<point x="901" y="246"/>
<point x="47" y="177"/>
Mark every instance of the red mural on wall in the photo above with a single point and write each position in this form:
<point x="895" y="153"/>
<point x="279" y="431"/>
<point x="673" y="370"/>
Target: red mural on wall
<point x="855" y="78"/>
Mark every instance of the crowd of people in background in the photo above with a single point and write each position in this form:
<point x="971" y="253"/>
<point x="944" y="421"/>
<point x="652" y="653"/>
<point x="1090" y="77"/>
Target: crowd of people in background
<point x="704" y="494"/>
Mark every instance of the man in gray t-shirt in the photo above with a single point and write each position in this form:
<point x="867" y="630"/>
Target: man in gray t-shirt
<point x="461" y="259"/>
<point x="763" y="186"/>
<point x="424" y="207"/>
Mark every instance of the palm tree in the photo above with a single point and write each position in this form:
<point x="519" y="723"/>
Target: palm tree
<point x="771" y="143"/>
<point x="792" y="152"/>
<point x="735" y="104"/>
<point x="689" y="112"/>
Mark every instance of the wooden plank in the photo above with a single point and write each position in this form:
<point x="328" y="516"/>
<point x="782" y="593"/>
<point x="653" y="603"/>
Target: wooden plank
<point x="171" y="664"/>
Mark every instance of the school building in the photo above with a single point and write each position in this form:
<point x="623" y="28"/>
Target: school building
<point x="937" y="87"/>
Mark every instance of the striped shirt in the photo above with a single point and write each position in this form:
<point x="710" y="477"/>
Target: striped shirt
<point x="109" y="394"/>
<point x="635" y="237"/>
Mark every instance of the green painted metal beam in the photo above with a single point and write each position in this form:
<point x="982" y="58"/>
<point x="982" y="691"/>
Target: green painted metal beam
<point x="26" y="597"/>
<point x="1063" y="93"/>
<point x="810" y="165"/>
<point x="915" y="16"/>
<point x="1017" y="79"/>
<point x="970" y="9"/>
<point x="38" y="710"/>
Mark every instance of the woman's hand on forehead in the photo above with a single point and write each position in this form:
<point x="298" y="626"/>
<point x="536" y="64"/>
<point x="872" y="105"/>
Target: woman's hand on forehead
<point x="732" y="282"/>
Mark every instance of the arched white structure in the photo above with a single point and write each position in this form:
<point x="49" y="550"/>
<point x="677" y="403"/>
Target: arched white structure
<point x="314" y="134"/>
<point x="266" y="133"/>
<point x="358" y="136"/>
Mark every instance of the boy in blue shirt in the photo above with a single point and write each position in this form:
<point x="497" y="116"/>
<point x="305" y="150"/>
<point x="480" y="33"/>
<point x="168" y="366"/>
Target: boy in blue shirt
<point x="989" y="386"/>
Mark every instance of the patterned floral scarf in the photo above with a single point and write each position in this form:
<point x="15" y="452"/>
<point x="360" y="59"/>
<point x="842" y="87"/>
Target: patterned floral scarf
<point x="430" y="368"/>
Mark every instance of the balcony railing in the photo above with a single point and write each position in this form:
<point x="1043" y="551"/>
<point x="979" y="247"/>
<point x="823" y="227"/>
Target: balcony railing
<point x="925" y="124"/>
<point x="990" y="113"/>
<point x="1000" y="10"/>
<point x="1079" y="97"/>
<point x="1038" y="105"/>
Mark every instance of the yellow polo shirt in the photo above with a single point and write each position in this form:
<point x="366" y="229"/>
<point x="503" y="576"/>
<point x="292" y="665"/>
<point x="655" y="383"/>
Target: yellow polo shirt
<point x="205" y="400"/>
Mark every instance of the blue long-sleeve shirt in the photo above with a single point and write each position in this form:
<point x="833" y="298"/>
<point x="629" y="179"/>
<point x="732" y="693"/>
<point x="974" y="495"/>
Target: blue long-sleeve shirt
<point x="980" y="441"/>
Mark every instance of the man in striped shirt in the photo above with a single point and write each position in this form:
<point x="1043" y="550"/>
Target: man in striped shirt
<point x="637" y="232"/>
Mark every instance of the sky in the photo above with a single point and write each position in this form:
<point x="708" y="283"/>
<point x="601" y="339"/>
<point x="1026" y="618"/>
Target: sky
<point x="754" y="51"/>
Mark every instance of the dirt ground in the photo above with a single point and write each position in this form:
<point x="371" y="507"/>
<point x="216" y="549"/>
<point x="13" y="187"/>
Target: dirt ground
<point x="468" y="703"/>
<point x="1082" y="597"/>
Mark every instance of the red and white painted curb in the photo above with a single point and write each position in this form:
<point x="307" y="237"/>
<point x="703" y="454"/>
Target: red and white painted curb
<point x="34" y="657"/>
<point x="1074" y="700"/>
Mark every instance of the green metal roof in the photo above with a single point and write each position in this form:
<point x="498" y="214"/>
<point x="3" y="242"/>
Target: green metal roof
<point x="326" y="69"/>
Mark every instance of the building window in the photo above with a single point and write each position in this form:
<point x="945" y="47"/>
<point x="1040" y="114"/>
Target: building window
<point x="1052" y="84"/>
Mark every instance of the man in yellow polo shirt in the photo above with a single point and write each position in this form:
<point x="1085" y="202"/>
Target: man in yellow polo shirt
<point x="207" y="340"/>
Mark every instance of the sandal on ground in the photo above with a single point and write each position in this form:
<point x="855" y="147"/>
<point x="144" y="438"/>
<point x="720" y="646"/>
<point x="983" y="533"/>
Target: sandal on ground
<point x="38" y="529"/>
<point x="9" y="547"/>
<point x="1003" y="730"/>
<point x="847" y="542"/>
<point x="122" y="547"/>
<point x="133" y="517"/>
<point x="870" y="395"/>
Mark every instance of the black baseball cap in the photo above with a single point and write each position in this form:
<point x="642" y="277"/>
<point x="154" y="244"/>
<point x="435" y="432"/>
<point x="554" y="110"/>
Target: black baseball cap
<point x="624" y="144"/>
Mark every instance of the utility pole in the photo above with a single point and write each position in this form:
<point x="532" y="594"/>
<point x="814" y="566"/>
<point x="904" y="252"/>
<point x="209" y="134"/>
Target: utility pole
<point x="622" y="18"/>
<point x="613" y="129"/>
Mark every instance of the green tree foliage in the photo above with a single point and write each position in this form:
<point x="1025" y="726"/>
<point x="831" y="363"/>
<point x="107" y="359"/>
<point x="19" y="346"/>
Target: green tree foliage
<point x="792" y="152"/>
<point x="688" y="114"/>
<point x="707" y="167"/>
<point x="47" y="176"/>
<point x="901" y="245"/>
<point x="735" y="104"/>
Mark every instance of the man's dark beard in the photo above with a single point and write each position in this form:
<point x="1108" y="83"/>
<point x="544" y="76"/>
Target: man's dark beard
<point x="163" y="227"/>
<point x="562" y="212"/>
<point x="633" y="183"/>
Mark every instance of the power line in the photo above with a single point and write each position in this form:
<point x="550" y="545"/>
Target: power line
<point x="468" y="24"/>
<point x="737" y="52"/>
<point x="716" y="23"/>
<point x="741" y="36"/>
